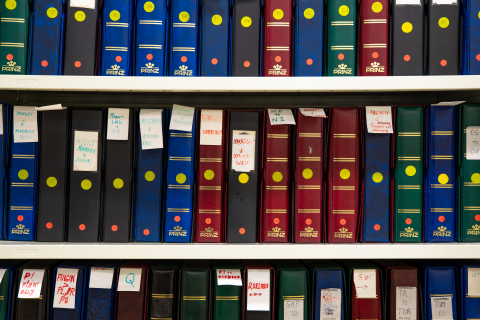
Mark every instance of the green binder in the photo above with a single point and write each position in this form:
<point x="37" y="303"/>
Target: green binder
<point x="195" y="290"/>
<point x="15" y="16"/>
<point x="408" y="175"/>
<point x="4" y="297"/>
<point x="227" y="299"/>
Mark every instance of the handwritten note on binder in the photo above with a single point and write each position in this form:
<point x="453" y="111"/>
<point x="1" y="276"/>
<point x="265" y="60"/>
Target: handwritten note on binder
<point x="85" y="151"/>
<point x="31" y="283"/>
<point x="243" y="151"/>
<point x="182" y="118"/>
<point x="379" y="119"/>
<point x="65" y="288"/>
<point x="129" y="279"/>
<point x="365" y="283"/>
<point x="151" y="128"/>
<point x="25" y="128"/>
<point x="473" y="143"/>
<point x="117" y="125"/>
<point x="280" y="116"/>
<point x="101" y="278"/>
<point x="211" y="127"/>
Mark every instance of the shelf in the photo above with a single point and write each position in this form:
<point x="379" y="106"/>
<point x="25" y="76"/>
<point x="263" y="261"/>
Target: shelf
<point x="16" y="250"/>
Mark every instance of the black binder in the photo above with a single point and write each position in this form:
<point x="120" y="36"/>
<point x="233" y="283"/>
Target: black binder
<point x="52" y="183"/>
<point x="163" y="289"/>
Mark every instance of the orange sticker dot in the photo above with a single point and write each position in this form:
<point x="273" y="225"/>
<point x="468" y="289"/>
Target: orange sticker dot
<point x="341" y="56"/>
<point x="114" y="228"/>
<point x="146" y="232"/>
<point x="443" y="63"/>
<point x="208" y="221"/>
<point x="278" y="59"/>
<point x="246" y="64"/>
<point x="309" y="62"/>
<point x="478" y="57"/>
<point x="78" y="64"/>
<point x="20" y="218"/>
<point x="308" y="222"/>
<point x="441" y="218"/>
<point x="177" y="219"/>
<point x="408" y="221"/>
<point x="477" y="217"/>
<point x="44" y="63"/>
<point x="241" y="231"/>
<point x="81" y="227"/>
<point x="9" y="56"/>
<point x="276" y="221"/>
<point x="184" y="59"/>
<point x="376" y="227"/>
<point x="375" y="55"/>
<point x="149" y="56"/>
<point x="49" y="225"/>
<point x="343" y="222"/>
<point x="406" y="57"/>
<point x="118" y="59"/>
<point x="214" y="61"/>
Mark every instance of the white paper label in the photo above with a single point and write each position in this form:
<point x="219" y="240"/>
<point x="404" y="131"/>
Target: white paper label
<point x="211" y="128"/>
<point x="85" y="152"/>
<point x="473" y="275"/>
<point x="292" y="309"/>
<point x="444" y="1"/>
<point x="25" y="124"/>
<point x="151" y="128"/>
<point x="442" y="308"/>
<point x="101" y="278"/>
<point x="449" y="103"/>
<point x="406" y="303"/>
<point x="182" y="118"/>
<point x="365" y="283"/>
<point x="243" y="151"/>
<point x="2" y="273"/>
<point x="408" y="2"/>
<point x="258" y="290"/>
<point x="281" y="116"/>
<point x="379" y="119"/>
<point x="229" y="277"/>
<point x="129" y="279"/>
<point x="31" y="284"/>
<point x="331" y="304"/>
<point x="313" y="112"/>
<point x="117" y="125"/>
<point x="87" y="4"/>
<point x="65" y="287"/>
<point x="53" y="107"/>
<point x="473" y="143"/>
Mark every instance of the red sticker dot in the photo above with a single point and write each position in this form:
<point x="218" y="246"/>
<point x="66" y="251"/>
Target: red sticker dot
<point x="276" y="221"/>
<point x="9" y="56"/>
<point x="81" y="227"/>
<point x="20" y="218"/>
<point x="308" y="222"/>
<point x="309" y="62"/>
<point x="78" y="64"/>
<point x="184" y="59"/>
<point x="246" y="64"/>
<point x="406" y="57"/>
<point x="214" y="61"/>
<point x="376" y="227"/>
<point x="44" y="63"/>
<point x="149" y="56"/>
<point x="477" y="217"/>
<point x="478" y="57"/>
<point x="341" y="56"/>
<point x="343" y="222"/>
<point x="49" y="225"/>
<point x="241" y="231"/>
<point x="208" y="221"/>
<point x="177" y="219"/>
<point x="408" y="221"/>
<point x="441" y="218"/>
<point x="114" y="228"/>
<point x="375" y="55"/>
<point x="146" y="232"/>
<point x="278" y="59"/>
<point x="118" y="59"/>
<point x="443" y="63"/>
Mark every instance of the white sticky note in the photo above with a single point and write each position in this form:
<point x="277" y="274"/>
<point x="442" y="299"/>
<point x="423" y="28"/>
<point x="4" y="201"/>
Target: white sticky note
<point x="449" y="103"/>
<point x="473" y="143"/>
<point x="281" y="116"/>
<point x="2" y="273"/>
<point x="379" y="119"/>
<point x="182" y="118"/>
<point x="31" y="283"/>
<point x="129" y="279"/>
<point x="65" y="288"/>
<point x="442" y="308"/>
<point x="211" y="127"/>
<point x="117" y="125"/>
<point x="331" y="304"/>
<point x="365" y="283"/>
<point x="408" y="2"/>
<point x="473" y="275"/>
<point x="151" y="128"/>
<point x="229" y="277"/>
<point x="406" y="303"/>
<point x="258" y="290"/>
<point x="53" y="107"/>
<point x="87" y="4"/>
<point x="243" y="150"/>
<point x="85" y="152"/>
<point x="1" y="118"/>
<point x="293" y="309"/>
<point x="313" y="112"/>
<point x="101" y="278"/>
<point x="25" y="127"/>
<point x="444" y="2"/>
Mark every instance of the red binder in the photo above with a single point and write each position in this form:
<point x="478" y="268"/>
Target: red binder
<point x="308" y="179"/>
<point x="366" y="308"/>
<point x="277" y="38"/>
<point x="343" y="175"/>
<point x="373" y="38"/>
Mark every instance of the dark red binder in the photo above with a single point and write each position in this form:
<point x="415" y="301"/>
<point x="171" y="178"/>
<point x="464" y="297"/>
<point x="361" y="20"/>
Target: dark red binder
<point x="258" y="315"/>
<point x="366" y="308"/>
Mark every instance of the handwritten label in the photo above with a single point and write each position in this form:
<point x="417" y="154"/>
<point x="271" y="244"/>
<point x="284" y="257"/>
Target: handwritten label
<point x="442" y="308"/>
<point x="229" y="277"/>
<point x="313" y="112"/>
<point x="88" y="4"/>
<point x="473" y="275"/>
<point x="331" y="304"/>
<point x="379" y="119"/>
<point x="473" y="143"/>
<point x="365" y="283"/>
<point x="292" y="309"/>
<point x="129" y="279"/>
<point x="444" y="1"/>
<point x="151" y="128"/>
<point x="65" y="288"/>
<point x="2" y="273"/>
<point x="182" y="118"/>
<point x="117" y="125"/>
<point x="211" y="128"/>
<point x="281" y="116"/>
<point x="449" y="103"/>
<point x="407" y="2"/>
<point x="258" y="290"/>
<point x="25" y="127"/>
<point x="85" y="152"/>
<point x="406" y="303"/>
<point x="101" y="278"/>
<point x="243" y="150"/>
<point x="53" y="107"/>
<point x="31" y="284"/>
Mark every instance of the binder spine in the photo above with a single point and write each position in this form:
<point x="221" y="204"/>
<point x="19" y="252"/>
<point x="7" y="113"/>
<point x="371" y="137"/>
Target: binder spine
<point x="4" y="156"/>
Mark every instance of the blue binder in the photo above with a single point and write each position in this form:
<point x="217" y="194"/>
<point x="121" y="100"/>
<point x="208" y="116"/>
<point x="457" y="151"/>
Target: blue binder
<point x="179" y="196"/>
<point x="184" y="16"/>
<point x="376" y="199"/>
<point x="440" y="208"/>
<point x="308" y="37"/>
<point x="117" y="38"/>
<point x="471" y="37"/>
<point x="46" y="37"/>
<point x="215" y="33"/>
<point x="149" y="192"/>
<point x="4" y="145"/>
<point x="469" y="304"/>
<point x="151" y="38"/>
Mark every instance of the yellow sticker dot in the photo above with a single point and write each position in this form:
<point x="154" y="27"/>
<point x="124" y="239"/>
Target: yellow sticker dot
<point x="278" y="14"/>
<point x="23" y="174"/>
<point x="149" y="175"/>
<point x="345" y="174"/>
<point x="118" y="183"/>
<point x="86" y="184"/>
<point x="114" y="15"/>
<point x="80" y="16"/>
<point x="410" y="171"/>
<point x="343" y="10"/>
<point x="149" y="6"/>
<point x="476" y="178"/>
<point x="307" y="173"/>
<point x="51" y="182"/>
<point x="377" y="7"/>
<point x="377" y="177"/>
<point x="277" y="176"/>
<point x="246" y="21"/>
<point x="209" y="174"/>
<point x="184" y="16"/>
<point x="181" y="178"/>
<point x="443" y="178"/>
<point x="478" y="14"/>
<point x="443" y="22"/>
<point x="217" y="19"/>
<point x="309" y="13"/>
<point x="10" y="4"/>
<point x="407" y="27"/>
<point x="52" y="13"/>
<point x="243" y="178"/>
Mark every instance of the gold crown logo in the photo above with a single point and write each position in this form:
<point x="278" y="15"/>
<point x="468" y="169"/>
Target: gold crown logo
<point x="277" y="67"/>
<point x="11" y="63"/>
<point x="149" y="65"/>
<point x="183" y="68"/>
<point x="442" y="228"/>
<point x="409" y="229"/>
<point x="20" y="226"/>
<point x="209" y="229"/>
<point x="476" y="227"/>
<point x="375" y="64"/>
<point x="342" y="66"/>
<point x="276" y="229"/>
<point x="309" y="229"/>
<point x="177" y="228"/>
<point x="115" y="67"/>
<point x="343" y="230"/>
